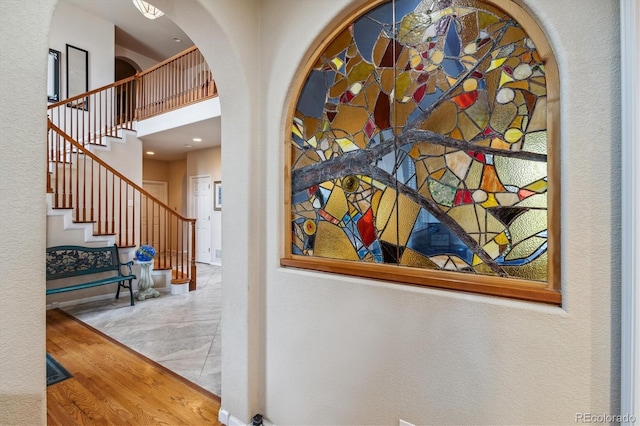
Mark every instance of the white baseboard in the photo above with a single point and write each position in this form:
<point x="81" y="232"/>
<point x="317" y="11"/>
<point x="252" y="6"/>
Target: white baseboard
<point x="227" y="419"/>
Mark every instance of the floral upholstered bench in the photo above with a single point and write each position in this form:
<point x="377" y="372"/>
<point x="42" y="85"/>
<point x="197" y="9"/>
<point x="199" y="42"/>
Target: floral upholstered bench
<point x="86" y="262"/>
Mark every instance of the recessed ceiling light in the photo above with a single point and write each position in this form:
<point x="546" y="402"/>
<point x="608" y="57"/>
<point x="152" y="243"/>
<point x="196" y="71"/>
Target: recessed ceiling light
<point x="197" y="139"/>
<point x="150" y="153"/>
<point x="188" y="146"/>
<point x="177" y="40"/>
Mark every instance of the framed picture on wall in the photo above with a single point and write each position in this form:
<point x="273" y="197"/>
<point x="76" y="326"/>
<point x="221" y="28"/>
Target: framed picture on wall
<point x="53" y="77"/>
<point x="77" y="75"/>
<point x="217" y="195"/>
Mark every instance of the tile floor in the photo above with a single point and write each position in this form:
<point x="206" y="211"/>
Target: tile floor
<point x="179" y="331"/>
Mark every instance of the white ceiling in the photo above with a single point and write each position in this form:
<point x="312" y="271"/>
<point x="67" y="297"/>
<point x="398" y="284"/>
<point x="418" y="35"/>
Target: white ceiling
<point x="155" y="39"/>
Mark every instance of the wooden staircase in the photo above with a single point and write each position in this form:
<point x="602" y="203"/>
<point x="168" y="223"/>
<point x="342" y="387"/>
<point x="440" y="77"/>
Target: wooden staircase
<point x="118" y="209"/>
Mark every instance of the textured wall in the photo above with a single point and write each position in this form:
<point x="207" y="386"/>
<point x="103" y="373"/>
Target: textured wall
<point x="351" y="351"/>
<point x="22" y="210"/>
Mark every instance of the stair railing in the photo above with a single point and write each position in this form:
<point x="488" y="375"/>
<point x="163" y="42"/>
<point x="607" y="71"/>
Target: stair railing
<point x="174" y="83"/>
<point x="101" y="195"/>
<point x="104" y="111"/>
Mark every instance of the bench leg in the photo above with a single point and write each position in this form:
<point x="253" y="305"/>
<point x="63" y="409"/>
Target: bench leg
<point x="130" y="287"/>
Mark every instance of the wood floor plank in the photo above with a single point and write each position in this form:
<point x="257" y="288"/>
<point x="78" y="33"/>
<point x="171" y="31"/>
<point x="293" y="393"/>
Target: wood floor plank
<point x="112" y="384"/>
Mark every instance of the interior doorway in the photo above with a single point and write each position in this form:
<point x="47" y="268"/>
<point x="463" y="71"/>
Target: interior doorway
<point x="201" y="209"/>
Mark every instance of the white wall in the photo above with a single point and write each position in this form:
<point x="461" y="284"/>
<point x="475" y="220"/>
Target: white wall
<point x="72" y="25"/>
<point x="207" y="162"/>
<point x="342" y="350"/>
<point x="316" y="348"/>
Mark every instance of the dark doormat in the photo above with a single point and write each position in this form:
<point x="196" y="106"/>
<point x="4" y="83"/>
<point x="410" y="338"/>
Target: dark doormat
<point x="55" y="372"/>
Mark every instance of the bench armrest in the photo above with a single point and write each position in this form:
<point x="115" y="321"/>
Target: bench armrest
<point x="129" y="264"/>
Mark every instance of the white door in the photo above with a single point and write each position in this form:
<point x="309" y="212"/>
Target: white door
<point x="152" y="229"/>
<point x="201" y="208"/>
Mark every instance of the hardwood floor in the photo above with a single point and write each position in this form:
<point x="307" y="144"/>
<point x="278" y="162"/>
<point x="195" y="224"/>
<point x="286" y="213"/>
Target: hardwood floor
<point x="113" y="385"/>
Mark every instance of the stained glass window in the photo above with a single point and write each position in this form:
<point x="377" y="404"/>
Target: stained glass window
<point x="422" y="139"/>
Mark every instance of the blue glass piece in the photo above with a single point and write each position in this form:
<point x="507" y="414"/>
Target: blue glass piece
<point x="387" y="134"/>
<point x="314" y="93"/>
<point x="406" y="172"/>
<point x="435" y="239"/>
<point x="388" y="162"/>
<point x="452" y="67"/>
<point x="376" y="251"/>
<point x="519" y="262"/>
<point x="295" y="249"/>
<point x="367" y="28"/>
<point x="324" y="195"/>
<point x="300" y="197"/>
<point x="452" y="45"/>
<point x="404" y="7"/>
<point x="298" y="140"/>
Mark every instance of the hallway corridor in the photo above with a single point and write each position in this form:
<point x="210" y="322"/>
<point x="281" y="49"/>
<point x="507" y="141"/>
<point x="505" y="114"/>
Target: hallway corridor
<point x="181" y="332"/>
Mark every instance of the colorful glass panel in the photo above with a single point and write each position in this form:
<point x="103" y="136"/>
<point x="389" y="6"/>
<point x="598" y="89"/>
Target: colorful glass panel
<point x="419" y="139"/>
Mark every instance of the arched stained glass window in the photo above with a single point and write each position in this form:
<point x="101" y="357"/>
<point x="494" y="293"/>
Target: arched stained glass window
<point x="423" y="150"/>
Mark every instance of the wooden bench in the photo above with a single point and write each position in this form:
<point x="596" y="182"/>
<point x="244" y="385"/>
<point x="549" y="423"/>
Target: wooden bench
<point x="86" y="262"/>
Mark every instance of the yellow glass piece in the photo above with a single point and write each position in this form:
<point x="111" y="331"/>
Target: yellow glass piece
<point x="296" y="131"/>
<point x="350" y="118"/>
<point x="511" y="35"/>
<point x="536" y="142"/>
<point x="468" y="128"/>
<point x="327" y="185"/>
<point x="519" y="172"/>
<point x="492" y="249"/>
<point x="416" y="58"/>
<point x="437" y="57"/>
<point x="485" y="19"/>
<point x="513" y="135"/>
<point x="442" y="119"/>
<point x="435" y="163"/>
<point x="375" y="201"/>
<point x="313" y="142"/>
<point x="539" y="117"/>
<point x="539" y="186"/>
<point x="365" y="179"/>
<point x="470" y="84"/>
<point x="415" y="152"/>
<point x="476" y="260"/>
<point x="458" y="162"/>
<point x="504" y="78"/>
<point x="479" y="111"/>
<point x="501" y="239"/>
<point x="346" y="145"/>
<point x="535" y="270"/>
<point x="502" y="116"/>
<point x="332" y="242"/>
<point x="506" y="199"/>
<point x="408" y="214"/>
<point x="413" y="258"/>
<point x="535" y="201"/>
<point x="431" y="67"/>
<point x="498" y="143"/>
<point x="466" y="217"/>
<point x="525" y="248"/>
<point x="337" y="203"/>
<point x="437" y="175"/>
<point x="337" y="62"/>
<point x="401" y="84"/>
<point x="491" y="201"/>
<point x="524" y="85"/>
<point x="378" y="184"/>
<point x="528" y="224"/>
<point x="496" y="63"/>
<point x="538" y="89"/>
<point x="360" y="72"/>
<point x="385" y="208"/>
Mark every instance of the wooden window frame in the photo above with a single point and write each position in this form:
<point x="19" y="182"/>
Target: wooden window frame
<point x="549" y="292"/>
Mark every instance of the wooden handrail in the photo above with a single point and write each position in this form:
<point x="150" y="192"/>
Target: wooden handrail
<point x="99" y="194"/>
<point x="114" y="171"/>
<point x="92" y="92"/>
<point x="167" y="61"/>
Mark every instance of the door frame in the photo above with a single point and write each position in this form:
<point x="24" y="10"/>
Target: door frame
<point x="193" y="213"/>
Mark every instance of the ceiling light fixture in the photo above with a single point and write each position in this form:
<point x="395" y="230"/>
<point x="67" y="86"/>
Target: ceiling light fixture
<point x="197" y="139"/>
<point x="177" y="40"/>
<point x="147" y="10"/>
<point x="188" y="146"/>
<point x="150" y="153"/>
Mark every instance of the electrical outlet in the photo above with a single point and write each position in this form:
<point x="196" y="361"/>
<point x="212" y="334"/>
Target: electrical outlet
<point x="404" y="423"/>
